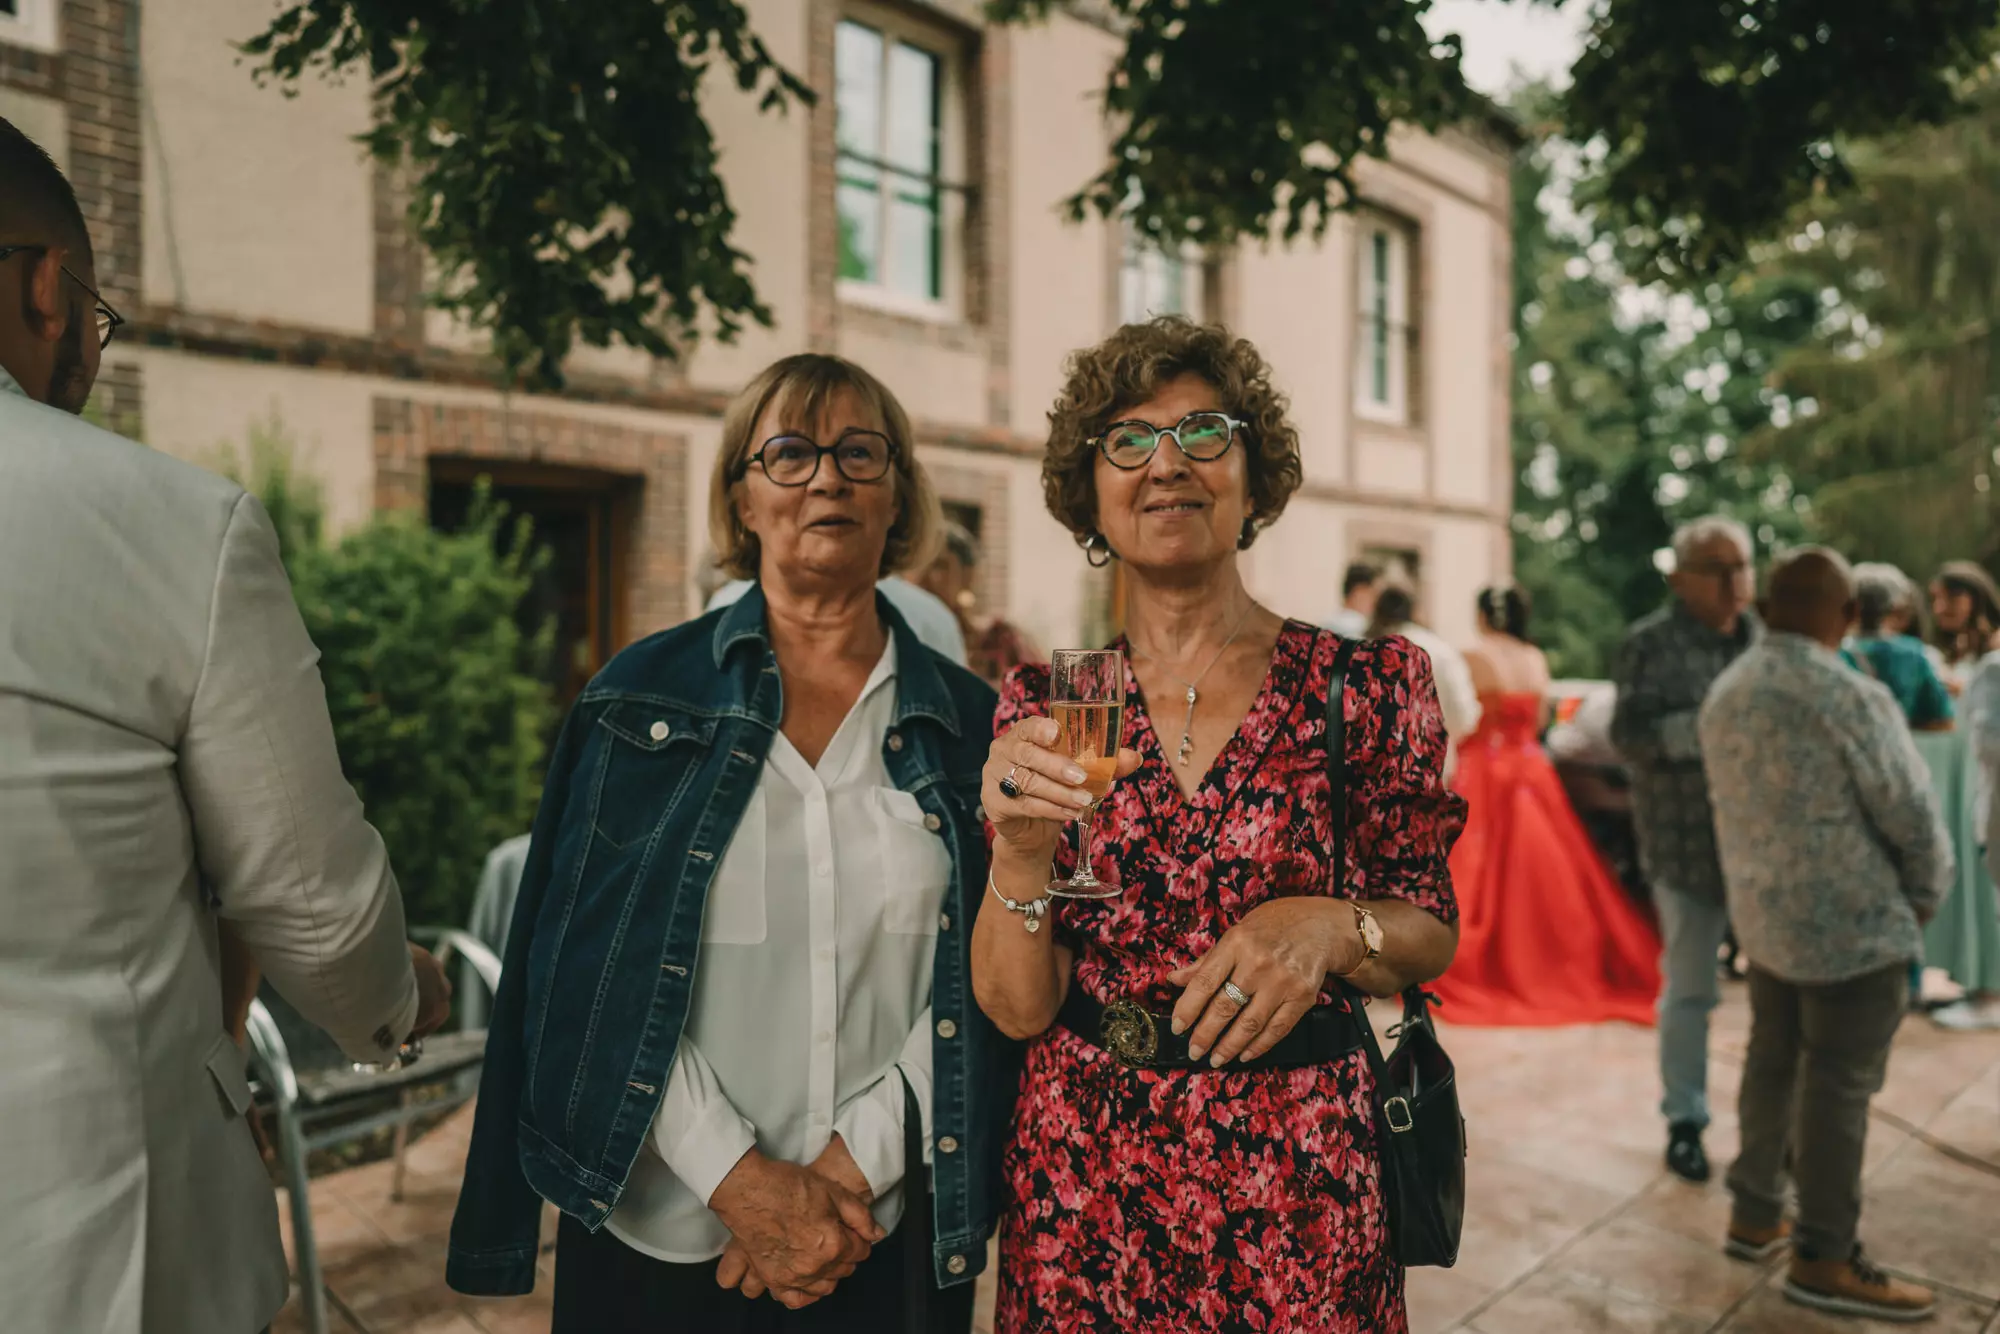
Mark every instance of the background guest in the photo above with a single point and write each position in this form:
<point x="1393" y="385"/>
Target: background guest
<point x="1979" y="1008"/>
<point x="732" y="983"/>
<point x="1396" y="614"/>
<point x="1359" y="588"/>
<point x="1526" y="862"/>
<point x="1835" y="855"/>
<point x="994" y="646"/>
<point x="1663" y="672"/>
<point x="1883" y="648"/>
<point x="1965" y="618"/>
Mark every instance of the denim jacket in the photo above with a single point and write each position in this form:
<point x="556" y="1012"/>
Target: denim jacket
<point x="654" y="769"/>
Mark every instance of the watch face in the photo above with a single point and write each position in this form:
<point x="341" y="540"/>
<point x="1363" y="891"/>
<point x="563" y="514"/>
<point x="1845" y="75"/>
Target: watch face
<point x="1371" y="933"/>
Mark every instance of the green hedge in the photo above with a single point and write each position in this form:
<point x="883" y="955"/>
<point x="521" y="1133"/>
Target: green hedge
<point x="437" y="707"/>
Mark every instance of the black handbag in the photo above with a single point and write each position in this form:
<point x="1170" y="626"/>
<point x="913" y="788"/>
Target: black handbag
<point x="1418" y="1127"/>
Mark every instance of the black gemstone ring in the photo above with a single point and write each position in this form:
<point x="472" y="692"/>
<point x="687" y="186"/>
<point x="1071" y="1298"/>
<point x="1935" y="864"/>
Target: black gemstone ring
<point x="1008" y="787"/>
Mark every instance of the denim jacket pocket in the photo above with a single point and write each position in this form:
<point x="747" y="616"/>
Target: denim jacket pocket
<point x="651" y="751"/>
<point x="915" y="863"/>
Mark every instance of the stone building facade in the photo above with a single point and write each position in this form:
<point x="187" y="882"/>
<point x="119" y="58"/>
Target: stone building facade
<point x="267" y="272"/>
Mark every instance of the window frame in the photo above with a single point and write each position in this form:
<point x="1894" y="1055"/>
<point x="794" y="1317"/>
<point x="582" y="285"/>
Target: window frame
<point x="1386" y="328"/>
<point x="33" y="27"/>
<point x="950" y="154"/>
<point x="1142" y="264"/>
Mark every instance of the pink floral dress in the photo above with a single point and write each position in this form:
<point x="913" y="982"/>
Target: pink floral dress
<point x="1151" y="1201"/>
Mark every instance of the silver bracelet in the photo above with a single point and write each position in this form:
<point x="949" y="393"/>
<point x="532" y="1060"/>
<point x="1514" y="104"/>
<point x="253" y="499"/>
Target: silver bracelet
<point x="1034" y="910"/>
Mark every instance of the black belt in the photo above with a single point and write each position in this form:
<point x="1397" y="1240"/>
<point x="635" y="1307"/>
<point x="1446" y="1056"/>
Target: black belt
<point x="1144" y="1040"/>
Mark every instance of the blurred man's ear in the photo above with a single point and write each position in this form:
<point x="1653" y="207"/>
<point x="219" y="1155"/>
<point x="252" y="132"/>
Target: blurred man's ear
<point x="1763" y="609"/>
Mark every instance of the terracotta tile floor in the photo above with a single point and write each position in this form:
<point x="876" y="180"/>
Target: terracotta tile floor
<point x="1572" y="1225"/>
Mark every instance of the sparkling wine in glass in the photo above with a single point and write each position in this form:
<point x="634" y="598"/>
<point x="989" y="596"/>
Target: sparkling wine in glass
<point x="1087" y="701"/>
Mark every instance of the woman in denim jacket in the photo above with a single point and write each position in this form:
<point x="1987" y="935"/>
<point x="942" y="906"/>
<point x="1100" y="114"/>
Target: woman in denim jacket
<point x="734" y="1042"/>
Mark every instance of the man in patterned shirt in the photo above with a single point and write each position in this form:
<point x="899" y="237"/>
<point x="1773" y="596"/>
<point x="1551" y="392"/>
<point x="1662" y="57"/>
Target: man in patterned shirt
<point x="1835" y="854"/>
<point x="1663" y="673"/>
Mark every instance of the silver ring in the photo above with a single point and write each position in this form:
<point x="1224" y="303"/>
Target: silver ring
<point x="1008" y="787"/>
<point x="1235" y="993"/>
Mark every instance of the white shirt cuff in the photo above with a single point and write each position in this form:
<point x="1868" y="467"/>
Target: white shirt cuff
<point x="872" y="1128"/>
<point x="709" y="1150"/>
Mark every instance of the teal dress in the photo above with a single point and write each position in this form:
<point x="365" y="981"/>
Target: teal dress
<point x="1900" y="663"/>
<point x="1964" y="937"/>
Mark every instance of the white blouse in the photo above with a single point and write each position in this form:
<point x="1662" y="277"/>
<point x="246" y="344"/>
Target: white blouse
<point x="811" y="990"/>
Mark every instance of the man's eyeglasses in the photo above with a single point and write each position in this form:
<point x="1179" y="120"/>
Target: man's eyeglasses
<point x="108" y="319"/>
<point x="1202" y="436"/>
<point x="793" y="460"/>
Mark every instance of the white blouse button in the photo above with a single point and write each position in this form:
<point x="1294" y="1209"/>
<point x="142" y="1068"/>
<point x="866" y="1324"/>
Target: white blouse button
<point x="947" y="1029"/>
<point x="947" y="1145"/>
<point x="660" y="731"/>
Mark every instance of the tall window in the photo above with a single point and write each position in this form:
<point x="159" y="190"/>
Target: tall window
<point x="1386" y="338"/>
<point x="890" y="128"/>
<point x="1152" y="281"/>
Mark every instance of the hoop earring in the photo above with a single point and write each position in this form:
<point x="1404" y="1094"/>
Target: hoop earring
<point x="1092" y="547"/>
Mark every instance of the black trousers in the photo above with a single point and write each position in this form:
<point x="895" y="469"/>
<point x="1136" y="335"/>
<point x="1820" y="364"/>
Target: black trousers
<point x="604" y="1286"/>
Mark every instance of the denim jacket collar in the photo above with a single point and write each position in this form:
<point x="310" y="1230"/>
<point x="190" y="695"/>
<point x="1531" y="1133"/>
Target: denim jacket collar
<point x="920" y="687"/>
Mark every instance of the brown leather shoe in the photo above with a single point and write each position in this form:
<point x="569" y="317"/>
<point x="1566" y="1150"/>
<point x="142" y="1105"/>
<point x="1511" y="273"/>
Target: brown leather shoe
<point x="1756" y="1244"/>
<point x="1855" y="1287"/>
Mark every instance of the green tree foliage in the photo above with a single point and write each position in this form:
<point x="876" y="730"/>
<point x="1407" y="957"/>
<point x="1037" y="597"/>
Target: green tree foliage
<point x="439" y="713"/>
<point x="564" y="179"/>
<point x="1718" y="117"/>
<point x="1631" y="406"/>
<point x="437" y="706"/>
<point x="1887" y="415"/>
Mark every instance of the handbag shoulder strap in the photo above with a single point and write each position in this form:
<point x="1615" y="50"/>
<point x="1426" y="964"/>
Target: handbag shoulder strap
<point x="1414" y="1005"/>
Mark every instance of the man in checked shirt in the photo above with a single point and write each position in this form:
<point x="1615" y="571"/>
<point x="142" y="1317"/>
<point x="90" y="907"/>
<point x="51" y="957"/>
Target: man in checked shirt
<point x="1663" y="672"/>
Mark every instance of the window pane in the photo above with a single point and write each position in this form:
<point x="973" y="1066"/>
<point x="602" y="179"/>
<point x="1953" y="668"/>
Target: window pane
<point x="913" y="243"/>
<point x="912" y="138"/>
<point x="859" y="201"/>
<point x="1378" y="357"/>
<point x="857" y="71"/>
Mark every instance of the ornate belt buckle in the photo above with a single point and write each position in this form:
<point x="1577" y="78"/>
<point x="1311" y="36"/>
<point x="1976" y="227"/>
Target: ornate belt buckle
<point x="1128" y="1033"/>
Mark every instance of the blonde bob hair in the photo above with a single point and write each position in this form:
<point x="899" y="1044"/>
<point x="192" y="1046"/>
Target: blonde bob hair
<point x="804" y="387"/>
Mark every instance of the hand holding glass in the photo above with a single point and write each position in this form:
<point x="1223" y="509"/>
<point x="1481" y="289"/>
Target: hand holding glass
<point x="1087" y="702"/>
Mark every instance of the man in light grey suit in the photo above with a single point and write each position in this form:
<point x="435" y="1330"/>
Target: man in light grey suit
<point x="166" y="765"/>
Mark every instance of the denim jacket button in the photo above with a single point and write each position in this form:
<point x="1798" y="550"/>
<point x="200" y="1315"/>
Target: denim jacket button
<point x="955" y="1265"/>
<point x="895" y="741"/>
<point x="944" y="921"/>
<point x="932" y="823"/>
<point x="947" y="1145"/>
<point x="947" y="1029"/>
<point x="660" y="732"/>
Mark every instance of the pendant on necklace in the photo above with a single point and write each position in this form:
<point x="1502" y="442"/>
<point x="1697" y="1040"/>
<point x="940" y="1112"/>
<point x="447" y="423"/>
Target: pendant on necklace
<point x="1187" y="731"/>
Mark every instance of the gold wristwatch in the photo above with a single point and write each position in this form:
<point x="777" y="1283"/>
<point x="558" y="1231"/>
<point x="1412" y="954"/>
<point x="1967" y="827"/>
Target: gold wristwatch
<point x="1371" y="938"/>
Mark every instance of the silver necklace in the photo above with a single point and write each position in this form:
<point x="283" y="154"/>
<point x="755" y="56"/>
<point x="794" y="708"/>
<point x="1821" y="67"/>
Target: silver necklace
<point x="1187" y="724"/>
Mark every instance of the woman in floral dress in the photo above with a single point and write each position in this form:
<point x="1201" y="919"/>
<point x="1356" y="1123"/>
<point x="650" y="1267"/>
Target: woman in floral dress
<point x="1219" y="1172"/>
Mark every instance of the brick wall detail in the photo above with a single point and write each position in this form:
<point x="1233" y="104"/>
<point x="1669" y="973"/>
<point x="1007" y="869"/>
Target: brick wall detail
<point x="409" y="433"/>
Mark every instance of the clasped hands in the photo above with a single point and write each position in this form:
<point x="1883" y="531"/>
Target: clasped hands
<point x="795" y="1232"/>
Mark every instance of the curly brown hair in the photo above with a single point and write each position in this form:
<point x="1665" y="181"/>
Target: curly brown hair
<point x="1128" y="368"/>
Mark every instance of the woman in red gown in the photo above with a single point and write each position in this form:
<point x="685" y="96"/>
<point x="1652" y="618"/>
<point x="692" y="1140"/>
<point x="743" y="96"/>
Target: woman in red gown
<point x="1547" y="935"/>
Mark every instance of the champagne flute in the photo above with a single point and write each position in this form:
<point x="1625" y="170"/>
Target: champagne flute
<point x="1087" y="701"/>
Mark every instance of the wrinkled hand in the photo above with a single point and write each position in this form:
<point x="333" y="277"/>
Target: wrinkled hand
<point x="1031" y="824"/>
<point x="1279" y="956"/>
<point x="837" y="1165"/>
<point x="791" y="1227"/>
<point x="433" y="992"/>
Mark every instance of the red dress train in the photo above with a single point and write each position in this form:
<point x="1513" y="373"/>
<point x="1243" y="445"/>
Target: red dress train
<point x="1547" y="935"/>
